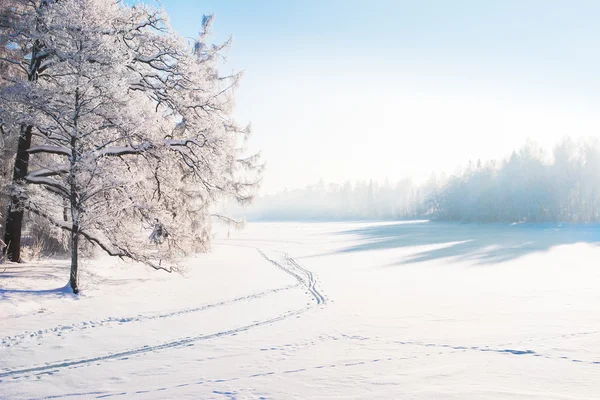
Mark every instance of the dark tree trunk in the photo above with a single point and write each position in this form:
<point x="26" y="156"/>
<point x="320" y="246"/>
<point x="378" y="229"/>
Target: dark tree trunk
<point x="65" y="210"/>
<point x="74" y="203"/>
<point x="74" y="278"/>
<point x="14" y="220"/>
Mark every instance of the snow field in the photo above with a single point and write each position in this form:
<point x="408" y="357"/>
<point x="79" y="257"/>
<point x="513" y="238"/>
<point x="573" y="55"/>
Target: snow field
<point x="343" y="310"/>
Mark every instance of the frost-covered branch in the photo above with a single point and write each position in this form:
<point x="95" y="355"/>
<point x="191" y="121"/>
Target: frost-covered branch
<point x="130" y="129"/>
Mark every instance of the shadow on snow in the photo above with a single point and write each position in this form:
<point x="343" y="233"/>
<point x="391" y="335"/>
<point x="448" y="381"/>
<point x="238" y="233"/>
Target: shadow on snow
<point x="57" y="292"/>
<point x="480" y="243"/>
<point x="50" y="272"/>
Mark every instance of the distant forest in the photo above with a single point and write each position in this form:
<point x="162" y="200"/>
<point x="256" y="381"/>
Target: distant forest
<point x="530" y="185"/>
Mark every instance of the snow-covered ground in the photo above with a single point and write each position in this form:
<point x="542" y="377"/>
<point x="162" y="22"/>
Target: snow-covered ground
<point x="318" y="310"/>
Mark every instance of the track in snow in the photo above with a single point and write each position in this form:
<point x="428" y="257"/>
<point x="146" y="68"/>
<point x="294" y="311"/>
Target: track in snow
<point x="310" y="283"/>
<point x="189" y="341"/>
<point x="60" y="330"/>
<point x="304" y="277"/>
<point x="219" y="381"/>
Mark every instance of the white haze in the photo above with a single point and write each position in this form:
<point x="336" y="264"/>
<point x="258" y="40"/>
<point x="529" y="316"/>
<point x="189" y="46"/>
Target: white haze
<point x="530" y="184"/>
<point x="377" y="130"/>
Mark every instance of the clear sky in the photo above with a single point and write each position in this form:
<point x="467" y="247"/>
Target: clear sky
<point x="356" y="90"/>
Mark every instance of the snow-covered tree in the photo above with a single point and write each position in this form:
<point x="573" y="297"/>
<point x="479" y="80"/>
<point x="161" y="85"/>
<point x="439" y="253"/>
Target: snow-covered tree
<point x="527" y="186"/>
<point x="23" y="58"/>
<point x="131" y="132"/>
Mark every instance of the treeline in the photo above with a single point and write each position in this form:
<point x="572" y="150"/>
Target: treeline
<point x="530" y="185"/>
<point x="347" y="201"/>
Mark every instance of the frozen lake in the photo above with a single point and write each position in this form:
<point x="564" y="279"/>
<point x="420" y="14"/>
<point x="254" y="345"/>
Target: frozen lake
<point x="414" y="310"/>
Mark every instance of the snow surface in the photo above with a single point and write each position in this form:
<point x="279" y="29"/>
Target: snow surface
<point x="318" y="310"/>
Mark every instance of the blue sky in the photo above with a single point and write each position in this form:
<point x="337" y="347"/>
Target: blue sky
<point x="356" y="90"/>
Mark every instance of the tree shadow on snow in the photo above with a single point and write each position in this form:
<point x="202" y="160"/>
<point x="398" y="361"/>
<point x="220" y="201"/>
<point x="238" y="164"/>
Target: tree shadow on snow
<point x="479" y="243"/>
<point x="63" y="291"/>
<point x="11" y="273"/>
<point x="29" y="271"/>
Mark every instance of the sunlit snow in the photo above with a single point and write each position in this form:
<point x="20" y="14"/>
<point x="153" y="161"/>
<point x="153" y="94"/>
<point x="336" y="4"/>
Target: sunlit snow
<point x="318" y="310"/>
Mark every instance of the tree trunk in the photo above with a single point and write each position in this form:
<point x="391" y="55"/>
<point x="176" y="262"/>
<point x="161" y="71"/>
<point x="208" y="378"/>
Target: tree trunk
<point x="14" y="219"/>
<point x="74" y="279"/>
<point x="65" y="210"/>
<point x="74" y="201"/>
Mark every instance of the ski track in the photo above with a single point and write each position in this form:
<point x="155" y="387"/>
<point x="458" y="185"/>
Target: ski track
<point x="59" y="330"/>
<point x="353" y="363"/>
<point x="295" y="271"/>
<point x="123" y="355"/>
<point x="304" y="277"/>
<point x="200" y="381"/>
<point x="311" y="283"/>
<point x="482" y="349"/>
